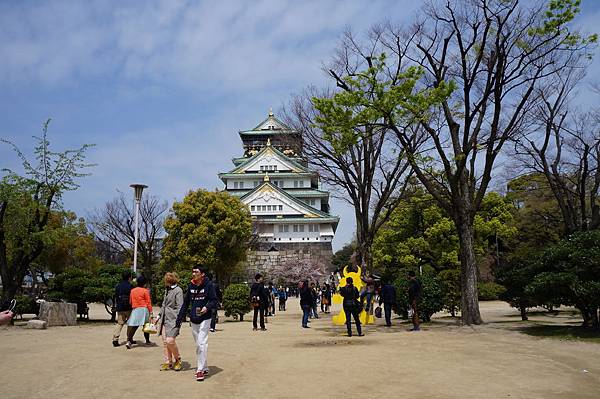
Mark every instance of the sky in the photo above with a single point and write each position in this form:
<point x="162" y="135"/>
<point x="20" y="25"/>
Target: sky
<point x="163" y="87"/>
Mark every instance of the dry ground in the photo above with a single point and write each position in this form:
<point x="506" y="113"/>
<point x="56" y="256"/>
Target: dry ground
<point x="496" y="360"/>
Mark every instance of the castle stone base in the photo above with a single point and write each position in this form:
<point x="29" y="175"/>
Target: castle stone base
<point x="267" y="255"/>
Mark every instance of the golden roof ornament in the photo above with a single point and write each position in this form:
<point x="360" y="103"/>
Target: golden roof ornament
<point x="270" y="111"/>
<point x="268" y="142"/>
<point x="266" y="178"/>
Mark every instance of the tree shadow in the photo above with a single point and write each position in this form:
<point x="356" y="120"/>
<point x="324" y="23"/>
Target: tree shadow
<point x="563" y="332"/>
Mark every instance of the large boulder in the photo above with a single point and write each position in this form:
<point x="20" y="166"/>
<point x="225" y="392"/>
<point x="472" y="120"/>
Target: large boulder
<point x="36" y="324"/>
<point x="58" y="313"/>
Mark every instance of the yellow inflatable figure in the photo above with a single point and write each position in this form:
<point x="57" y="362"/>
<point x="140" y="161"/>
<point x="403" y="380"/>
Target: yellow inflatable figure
<point x="340" y="318"/>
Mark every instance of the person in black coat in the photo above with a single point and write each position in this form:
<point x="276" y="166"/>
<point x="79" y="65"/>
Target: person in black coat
<point x="415" y="291"/>
<point x="260" y="300"/>
<point x="387" y="296"/>
<point x="215" y="312"/>
<point x="352" y="306"/>
<point x="306" y="301"/>
<point x="122" y="304"/>
<point x="201" y="299"/>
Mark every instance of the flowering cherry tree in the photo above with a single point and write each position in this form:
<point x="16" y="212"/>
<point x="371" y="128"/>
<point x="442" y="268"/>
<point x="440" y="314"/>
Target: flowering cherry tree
<point x="298" y="270"/>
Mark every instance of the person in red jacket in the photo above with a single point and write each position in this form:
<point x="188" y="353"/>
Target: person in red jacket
<point x="141" y="313"/>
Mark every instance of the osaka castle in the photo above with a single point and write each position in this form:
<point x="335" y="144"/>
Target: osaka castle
<point x="289" y="208"/>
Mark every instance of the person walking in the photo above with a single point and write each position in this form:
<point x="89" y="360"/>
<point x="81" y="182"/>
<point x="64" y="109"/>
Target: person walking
<point x="169" y="311"/>
<point x="315" y="298"/>
<point x="141" y="311"/>
<point x="306" y="301"/>
<point x="282" y="295"/>
<point x="202" y="299"/>
<point x="272" y="293"/>
<point x="415" y="291"/>
<point x="215" y="312"/>
<point x="260" y="300"/>
<point x="326" y="298"/>
<point x="387" y="296"/>
<point x="351" y="305"/>
<point x="122" y="305"/>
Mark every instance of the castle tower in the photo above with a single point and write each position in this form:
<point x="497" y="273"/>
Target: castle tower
<point x="285" y="199"/>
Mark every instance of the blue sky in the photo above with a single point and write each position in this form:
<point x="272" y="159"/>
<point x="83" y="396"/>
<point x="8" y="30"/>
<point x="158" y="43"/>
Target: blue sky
<point x="162" y="87"/>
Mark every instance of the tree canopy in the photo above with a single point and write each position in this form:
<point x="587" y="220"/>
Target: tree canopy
<point x="211" y="229"/>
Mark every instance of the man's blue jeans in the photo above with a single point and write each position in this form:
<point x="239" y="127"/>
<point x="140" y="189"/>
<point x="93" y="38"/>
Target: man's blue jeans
<point x="305" y="313"/>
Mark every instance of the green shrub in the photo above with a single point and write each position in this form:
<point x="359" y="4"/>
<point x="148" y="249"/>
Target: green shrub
<point x="490" y="291"/>
<point x="450" y="281"/>
<point x="432" y="299"/>
<point x="236" y="300"/>
<point x="25" y="304"/>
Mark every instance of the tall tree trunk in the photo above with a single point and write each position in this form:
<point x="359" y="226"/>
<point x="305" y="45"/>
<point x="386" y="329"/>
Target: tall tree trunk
<point x="468" y="270"/>
<point x="523" y="310"/>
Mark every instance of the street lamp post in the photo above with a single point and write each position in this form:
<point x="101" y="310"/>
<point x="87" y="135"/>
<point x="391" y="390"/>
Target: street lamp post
<point x="138" y="188"/>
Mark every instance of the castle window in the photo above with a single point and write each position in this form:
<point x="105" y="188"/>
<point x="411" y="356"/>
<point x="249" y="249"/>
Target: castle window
<point x="252" y="207"/>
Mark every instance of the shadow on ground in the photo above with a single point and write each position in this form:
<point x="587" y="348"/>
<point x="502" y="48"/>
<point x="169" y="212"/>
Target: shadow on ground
<point x="563" y="332"/>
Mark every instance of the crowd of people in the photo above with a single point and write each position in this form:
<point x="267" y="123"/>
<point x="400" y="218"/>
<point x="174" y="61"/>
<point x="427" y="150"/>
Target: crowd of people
<point x="200" y="302"/>
<point x="202" y="297"/>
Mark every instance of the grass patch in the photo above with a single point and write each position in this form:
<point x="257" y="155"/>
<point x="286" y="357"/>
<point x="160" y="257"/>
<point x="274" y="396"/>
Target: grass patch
<point x="566" y="333"/>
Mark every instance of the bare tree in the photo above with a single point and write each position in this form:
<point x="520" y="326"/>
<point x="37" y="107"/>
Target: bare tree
<point x="113" y="226"/>
<point x="475" y="65"/>
<point x="371" y="175"/>
<point x="564" y="146"/>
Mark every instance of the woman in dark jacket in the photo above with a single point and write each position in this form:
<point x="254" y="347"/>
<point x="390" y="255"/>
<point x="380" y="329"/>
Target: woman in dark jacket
<point x="166" y="322"/>
<point x="351" y="305"/>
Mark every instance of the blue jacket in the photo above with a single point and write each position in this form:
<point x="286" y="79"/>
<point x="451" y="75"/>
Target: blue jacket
<point x="198" y="297"/>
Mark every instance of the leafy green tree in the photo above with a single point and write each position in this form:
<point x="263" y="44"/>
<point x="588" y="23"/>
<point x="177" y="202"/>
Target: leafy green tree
<point x="571" y="276"/>
<point x="343" y="257"/>
<point x="515" y="274"/>
<point x="536" y="218"/>
<point x="432" y="296"/>
<point x="450" y="281"/>
<point x="27" y="203"/>
<point x="72" y="246"/>
<point x="457" y="87"/>
<point x="212" y="229"/>
<point x="420" y="232"/>
<point x="84" y="286"/>
<point x="236" y="300"/>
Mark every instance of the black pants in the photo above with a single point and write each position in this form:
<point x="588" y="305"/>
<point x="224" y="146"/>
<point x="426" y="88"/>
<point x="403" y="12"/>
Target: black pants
<point x="213" y="319"/>
<point x="257" y="310"/>
<point x="353" y="311"/>
<point x="387" y="309"/>
<point x="281" y="304"/>
<point x="131" y="332"/>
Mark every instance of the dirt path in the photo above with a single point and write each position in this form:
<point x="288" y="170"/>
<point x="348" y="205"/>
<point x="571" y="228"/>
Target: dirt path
<point x="443" y="361"/>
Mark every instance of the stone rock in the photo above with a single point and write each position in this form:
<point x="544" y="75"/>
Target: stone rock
<point x="37" y="324"/>
<point x="58" y="313"/>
